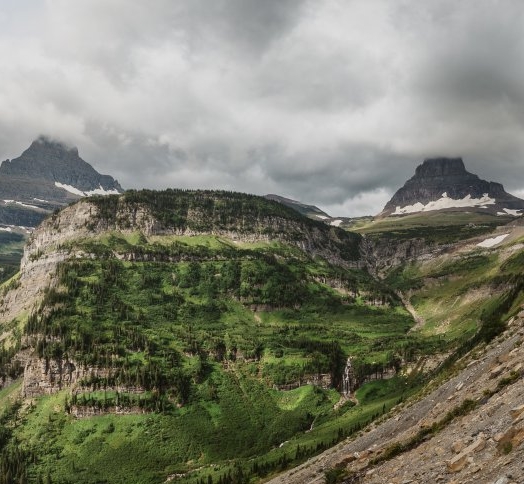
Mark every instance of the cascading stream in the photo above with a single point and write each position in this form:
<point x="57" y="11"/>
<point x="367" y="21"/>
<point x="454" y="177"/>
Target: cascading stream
<point x="348" y="379"/>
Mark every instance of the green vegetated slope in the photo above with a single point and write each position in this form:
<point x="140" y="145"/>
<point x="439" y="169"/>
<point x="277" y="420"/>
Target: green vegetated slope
<point x="11" y="250"/>
<point x="434" y="227"/>
<point x="202" y="336"/>
<point x="458" y="292"/>
<point x="453" y="285"/>
<point x="197" y="336"/>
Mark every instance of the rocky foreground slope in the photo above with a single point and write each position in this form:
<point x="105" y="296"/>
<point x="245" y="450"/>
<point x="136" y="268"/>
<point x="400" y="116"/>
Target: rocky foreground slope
<point x="468" y="429"/>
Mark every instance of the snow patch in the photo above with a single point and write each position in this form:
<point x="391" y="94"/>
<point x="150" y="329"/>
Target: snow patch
<point x="492" y="241"/>
<point x="22" y="204"/>
<point x="445" y="202"/>
<point x="80" y="193"/>
<point x="40" y="200"/>
<point x="70" y="189"/>
<point x="27" y="206"/>
<point x="102" y="191"/>
<point x="9" y="228"/>
<point x="335" y="223"/>
<point x="323" y="217"/>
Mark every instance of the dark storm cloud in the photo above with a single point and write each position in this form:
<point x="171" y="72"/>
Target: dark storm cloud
<point x="352" y="169"/>
<point x="247" y="25"/>
<point x="332" y="102"/>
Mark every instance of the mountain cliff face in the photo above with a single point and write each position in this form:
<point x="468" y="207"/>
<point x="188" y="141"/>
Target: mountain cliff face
<point x="181" y="310"/>
<point x="444" y="184"/>
<point x="47" y="175"/>
<point x="80" y="230"/>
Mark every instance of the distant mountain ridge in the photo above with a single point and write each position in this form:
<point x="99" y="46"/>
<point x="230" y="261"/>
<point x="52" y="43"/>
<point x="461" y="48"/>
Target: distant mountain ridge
<point x="444" y="184"/>
<point x="46" y="176"/>
<point x="310" y="211"/>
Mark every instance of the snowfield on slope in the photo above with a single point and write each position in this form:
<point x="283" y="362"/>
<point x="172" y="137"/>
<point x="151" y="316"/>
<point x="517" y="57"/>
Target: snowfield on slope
<point x="80" y="193"/>
<point x="21" y="204"/>
<point x="510" y="211"/>
<point x="492" y="241"/>
<point x="445" y="202"/>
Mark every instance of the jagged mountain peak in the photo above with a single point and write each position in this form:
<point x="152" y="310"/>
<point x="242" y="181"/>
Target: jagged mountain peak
<point x="47" y="175"/>
<point x="55" y="161"/>
<point x="445" y="184"/>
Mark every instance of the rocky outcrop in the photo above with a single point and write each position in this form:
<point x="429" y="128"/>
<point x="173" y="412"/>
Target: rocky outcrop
<point x="24" y="294"/>
<point x="84" y="220"/>
<point x="43" y="377"/>
<point x="382" y="254"/>
<point x="81" y="411"/>
<point x="46" y="376"/>
<point x="311" y="211"/>
<point x="464" y="456"/>
<point x="439" y="183"/>
<point x="42" y="254"/>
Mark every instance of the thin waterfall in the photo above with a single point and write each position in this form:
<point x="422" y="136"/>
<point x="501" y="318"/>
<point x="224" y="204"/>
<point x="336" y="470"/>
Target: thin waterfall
<point x="348" y="379"/>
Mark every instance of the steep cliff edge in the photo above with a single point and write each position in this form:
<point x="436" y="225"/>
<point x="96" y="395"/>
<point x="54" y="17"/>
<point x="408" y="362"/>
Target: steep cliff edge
<point x="80" y="231"/>
<point x="42" y="254"/>
<point x="238" y="217"/>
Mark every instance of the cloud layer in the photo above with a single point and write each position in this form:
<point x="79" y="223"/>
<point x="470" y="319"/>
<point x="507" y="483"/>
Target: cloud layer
<point x="332" y="102"/>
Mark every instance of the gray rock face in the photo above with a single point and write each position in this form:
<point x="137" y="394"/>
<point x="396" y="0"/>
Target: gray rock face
<point x="436" y="176"/>
<point x="53" y="161"/>
<point x="31" y="179"/>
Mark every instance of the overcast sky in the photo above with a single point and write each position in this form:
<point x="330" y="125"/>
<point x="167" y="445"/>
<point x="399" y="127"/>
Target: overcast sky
<point x="329" y="102"/>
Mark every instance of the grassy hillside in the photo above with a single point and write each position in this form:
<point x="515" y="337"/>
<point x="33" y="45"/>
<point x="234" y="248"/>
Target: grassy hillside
<point x="211" y="347"/>
<point x="11" y="250"/>
<point x="456" y="293"/>
<point x="434" y="227"/>
<point x="202" y="337"/>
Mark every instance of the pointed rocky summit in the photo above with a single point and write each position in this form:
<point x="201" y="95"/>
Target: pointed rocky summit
<point x="444" y="184"/>
<point x="46" y="176"/>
